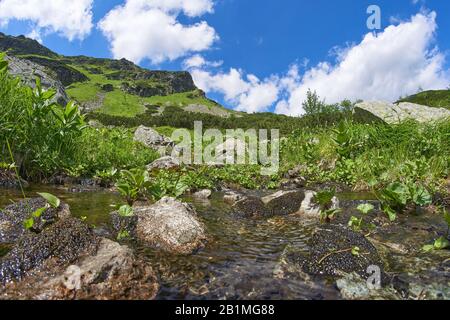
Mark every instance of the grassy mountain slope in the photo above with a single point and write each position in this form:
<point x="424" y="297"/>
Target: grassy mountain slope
<point x="114" y="87"/>
<point x="433" y="98"/>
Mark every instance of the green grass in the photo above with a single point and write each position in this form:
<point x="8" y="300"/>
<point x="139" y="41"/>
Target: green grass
<point x="118" y="103"/>
<point x="83" y="92"/>
<point x="434" y="98"/>
<point x="180" y="100"/>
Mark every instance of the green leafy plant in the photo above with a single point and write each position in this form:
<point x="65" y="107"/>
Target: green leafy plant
<point x="357" y="224"/>
<point x="396" y="196"/>
<point x="126" y="211"/>
<point x="122" y="235"/>
<point x="133" y="184"/>
<point x="52" y="201"/>
<point x="324" y="199"/>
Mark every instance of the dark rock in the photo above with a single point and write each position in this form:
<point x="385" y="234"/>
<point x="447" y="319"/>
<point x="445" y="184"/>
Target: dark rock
<point x="330" y="253"/>
<point x="8" y="179"/>
<point x="64" y="73"/>
<point x="251" y="207"/>
<point x="284" y="202"/>
<point x="108" y="87"/>
<point x="61" y="243"/>
<point x="13" y="216"/>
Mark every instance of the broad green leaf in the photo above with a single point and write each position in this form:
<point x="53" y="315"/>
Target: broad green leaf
<point x="51" y="199"/>
<point x="356" y="251"/>
<point x="126" y="211"/>
<point x="428" y="248"/>
<point x="391" y="214"/>
<point x="441" y="243"/>
<point x="38" y="213"/>
<point x="365" y="208"/>
<point x="28" y="223"/>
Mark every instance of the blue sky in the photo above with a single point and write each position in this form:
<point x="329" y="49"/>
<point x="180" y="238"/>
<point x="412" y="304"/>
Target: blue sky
<point x="255" y="55"/>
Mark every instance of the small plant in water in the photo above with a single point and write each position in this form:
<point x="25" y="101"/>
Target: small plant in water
<point x="397" y="196"/>
<point x="52" y="201"/>
<point x="126" y="211"/>
<point x="443" y="242"/>
<point x="357" y="224"/>
<point x="324" y="199"/>
<point x="122" y="235"/>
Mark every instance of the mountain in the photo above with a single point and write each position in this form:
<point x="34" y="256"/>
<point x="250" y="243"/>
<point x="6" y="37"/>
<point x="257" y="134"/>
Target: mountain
<point x="108" y="86"/>
<point x="432" y="98"/>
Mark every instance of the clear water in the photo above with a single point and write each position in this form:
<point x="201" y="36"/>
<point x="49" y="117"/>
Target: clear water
<point x="238" y="261"/>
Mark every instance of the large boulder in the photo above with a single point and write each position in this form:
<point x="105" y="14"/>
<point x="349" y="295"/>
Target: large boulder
<point x="152" y="139"/>
<point x="13" y="216"/>
<point x="378" y="111"/>
<point x="170" y="225"/>
<point x="28" y="71"/>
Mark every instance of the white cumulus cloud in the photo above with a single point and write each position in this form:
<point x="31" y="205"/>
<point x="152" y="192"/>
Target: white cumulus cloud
<point x="150" y="29"/>
<point x="246" y="93"/>
<point x="71" y="19"/>
<point x="395" y="62"/>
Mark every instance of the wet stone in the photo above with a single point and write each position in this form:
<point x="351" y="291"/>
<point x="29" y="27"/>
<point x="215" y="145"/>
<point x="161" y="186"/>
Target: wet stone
<point x="330" y="253"/>
<point x="62" y="242"/>
<point x="13" y="216"/>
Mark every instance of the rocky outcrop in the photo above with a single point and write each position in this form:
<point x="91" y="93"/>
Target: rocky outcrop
<point x="152" y="139"/>
<point x="28" y="71"/>
<point x="62" y="72"/>
<point x="13" y="216"/>
<point x="164" y="163"/>
<point x="21" y="45"/>
<point x="377" y="111"/>
<point x="170" y="225"/>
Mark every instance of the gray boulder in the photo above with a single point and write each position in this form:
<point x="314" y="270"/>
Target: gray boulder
<point x="28" y="71"/>
<point x="164" y="163"/>
<point x="378" y="111"/>
<point x="203" y="194"/>
<point x="170" y="225"/>
<point x="152" y="139"/>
